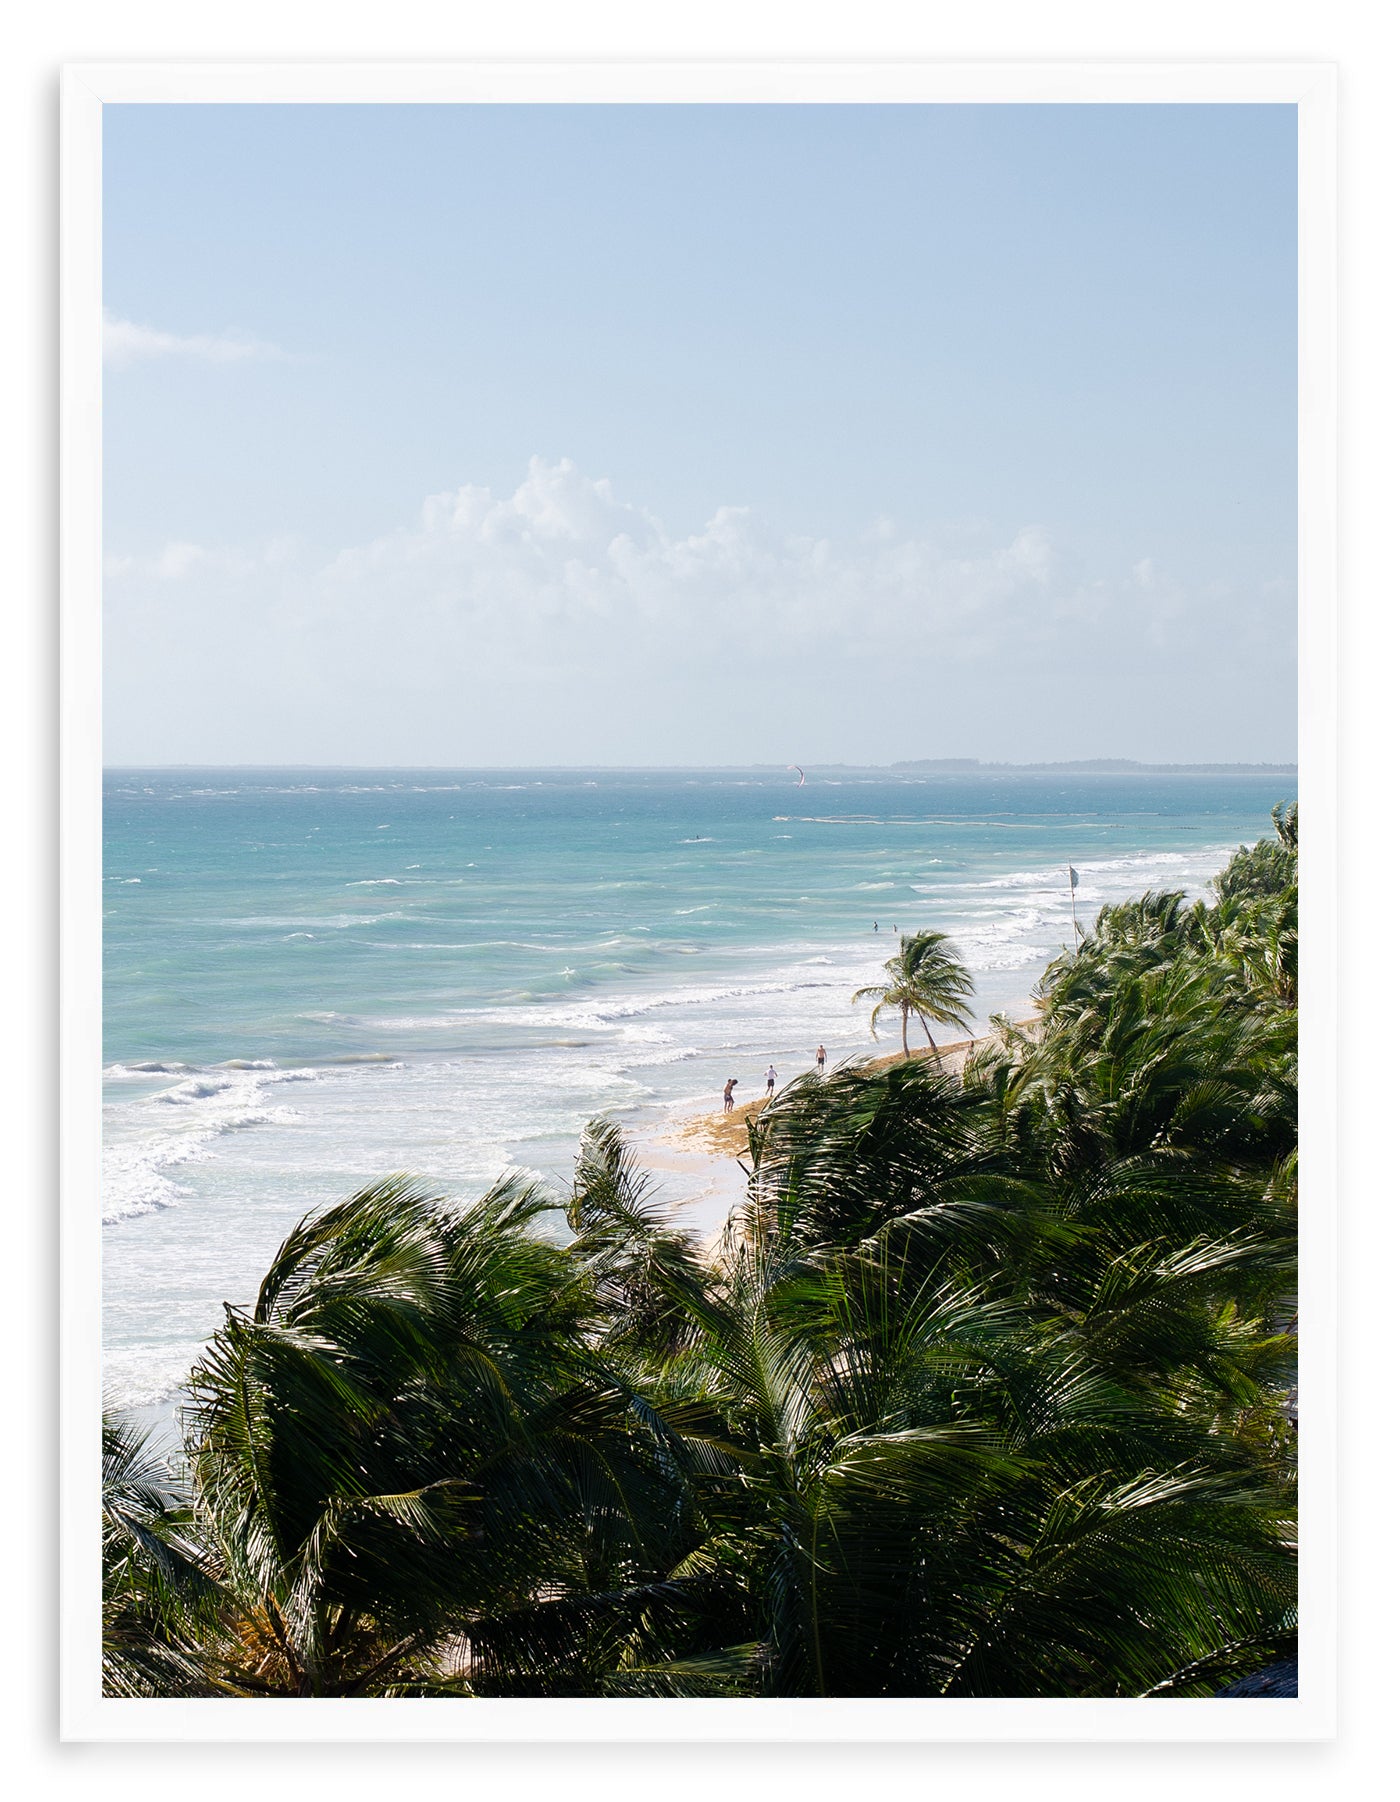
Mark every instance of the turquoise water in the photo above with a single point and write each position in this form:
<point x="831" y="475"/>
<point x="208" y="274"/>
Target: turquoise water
<point x="315" y="977"/>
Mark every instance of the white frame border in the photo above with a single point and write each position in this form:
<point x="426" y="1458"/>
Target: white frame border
<point x="85" y="1714"/>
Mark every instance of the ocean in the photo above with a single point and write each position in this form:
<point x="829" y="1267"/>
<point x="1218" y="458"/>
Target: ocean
<point x="314" y="978"/>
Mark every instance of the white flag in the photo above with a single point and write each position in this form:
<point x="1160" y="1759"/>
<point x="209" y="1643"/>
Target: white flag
<point x="1073" y="877"/>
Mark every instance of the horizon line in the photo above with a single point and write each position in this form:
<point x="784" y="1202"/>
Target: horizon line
<point x="930" y="765"/>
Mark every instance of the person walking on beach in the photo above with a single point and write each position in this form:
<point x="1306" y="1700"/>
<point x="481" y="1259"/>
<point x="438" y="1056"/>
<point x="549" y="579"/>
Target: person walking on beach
<point x="821" y="1060"/>
<point x="729" y="1095"/>
<point x="771" y="1078"/>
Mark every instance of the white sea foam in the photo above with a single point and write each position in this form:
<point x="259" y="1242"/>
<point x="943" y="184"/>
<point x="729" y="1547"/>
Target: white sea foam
<point x="153" y="1141"/>
<point x="122" y="1072"/>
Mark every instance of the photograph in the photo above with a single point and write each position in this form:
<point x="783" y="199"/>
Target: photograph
<point x="700" y="1097"/>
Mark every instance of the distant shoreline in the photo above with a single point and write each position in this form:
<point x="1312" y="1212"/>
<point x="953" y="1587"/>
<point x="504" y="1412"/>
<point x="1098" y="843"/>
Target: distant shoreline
<point x="931" y="766"/>
<point x="1093" y="766"/>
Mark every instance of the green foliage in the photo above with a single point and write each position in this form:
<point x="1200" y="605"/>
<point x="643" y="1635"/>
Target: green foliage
<point x="985" y="1391"/>
<point x="1269" y="868"/>
<point x="925" y="980"/>
<point x="159" y="1598"/>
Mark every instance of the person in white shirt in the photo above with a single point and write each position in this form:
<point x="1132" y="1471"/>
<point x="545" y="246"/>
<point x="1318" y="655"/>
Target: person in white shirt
<point x="771" y="1078"/>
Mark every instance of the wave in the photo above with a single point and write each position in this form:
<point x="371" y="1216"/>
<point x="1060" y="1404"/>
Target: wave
<point x="330" y="922"/>
<point x="198" y="1088"/>
<point x="145" y="1378"/>
<point x="1056" y="876"/>
<point x="119" y="1072"/>
<point x="208" y="1105"/>
<point x="609" y="1015"/>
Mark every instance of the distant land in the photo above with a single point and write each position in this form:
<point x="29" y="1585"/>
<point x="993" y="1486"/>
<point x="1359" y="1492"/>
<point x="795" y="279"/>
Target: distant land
<point x="1105" y="765"/>
<point x="954" y="765"/>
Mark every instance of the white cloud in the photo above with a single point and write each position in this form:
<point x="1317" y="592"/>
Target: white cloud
<point x="125" y="343"/>
<point x="177" y="562"/>
<point x="563" y="556"/>
<point x="562" y="623"/>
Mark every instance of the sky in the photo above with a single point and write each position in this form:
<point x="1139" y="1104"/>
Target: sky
<point x="512" y="435"/>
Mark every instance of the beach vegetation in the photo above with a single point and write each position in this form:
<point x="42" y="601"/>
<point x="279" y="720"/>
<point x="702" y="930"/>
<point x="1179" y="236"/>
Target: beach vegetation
<point x="987" y="1388"/>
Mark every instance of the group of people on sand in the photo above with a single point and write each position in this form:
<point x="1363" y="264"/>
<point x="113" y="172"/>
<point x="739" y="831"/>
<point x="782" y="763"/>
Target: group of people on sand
<point x="770" y="1078"/>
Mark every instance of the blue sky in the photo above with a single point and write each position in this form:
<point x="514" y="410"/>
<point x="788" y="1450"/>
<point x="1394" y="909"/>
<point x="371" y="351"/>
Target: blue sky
<point x="699" y="434"/>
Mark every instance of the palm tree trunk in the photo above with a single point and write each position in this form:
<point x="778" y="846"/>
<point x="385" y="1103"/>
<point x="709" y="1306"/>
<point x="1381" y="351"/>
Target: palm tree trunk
<point x="937" y="1054"/>
<point x="904" y="1028"/>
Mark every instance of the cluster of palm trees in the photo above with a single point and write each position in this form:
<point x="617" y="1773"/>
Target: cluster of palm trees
<point x="984" y="1391"/>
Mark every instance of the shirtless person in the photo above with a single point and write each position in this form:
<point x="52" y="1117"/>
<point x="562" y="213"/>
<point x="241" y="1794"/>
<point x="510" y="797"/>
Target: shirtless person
<point x="821" y="1060"/>
<point x="729" y="1094"/>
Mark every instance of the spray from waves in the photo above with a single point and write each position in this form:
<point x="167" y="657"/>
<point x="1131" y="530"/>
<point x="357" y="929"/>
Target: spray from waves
<point x="183" y="1125"/>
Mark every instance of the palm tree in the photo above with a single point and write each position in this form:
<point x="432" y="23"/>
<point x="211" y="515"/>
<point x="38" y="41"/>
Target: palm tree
<point x="983" y="1393"/>
<point x="926" y="979"/>
<point x="643" y="1268"/>
<point x="411" y="1434"/>
<point x="935" y="1494"/>
<point x="159" y="1597"/>
<point x="902" y="1486"/>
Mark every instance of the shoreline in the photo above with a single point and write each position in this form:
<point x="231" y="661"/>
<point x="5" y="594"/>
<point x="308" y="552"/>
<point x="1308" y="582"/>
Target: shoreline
<point x="710" y="1145"/>
<point x="423" y="1055"/>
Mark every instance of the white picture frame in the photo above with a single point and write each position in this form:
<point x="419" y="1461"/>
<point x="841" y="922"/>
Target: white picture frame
<point x="87" y="1715"/>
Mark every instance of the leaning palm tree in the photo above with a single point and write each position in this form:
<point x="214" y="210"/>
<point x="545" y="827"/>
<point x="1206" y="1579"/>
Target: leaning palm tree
<point x="408" y="1434"/>
<point x="159" y="1596"/>
<point x="926" y="979"/>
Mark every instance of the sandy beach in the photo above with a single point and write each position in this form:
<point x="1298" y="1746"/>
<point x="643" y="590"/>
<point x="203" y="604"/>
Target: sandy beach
<point x="697" y="1157"/>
